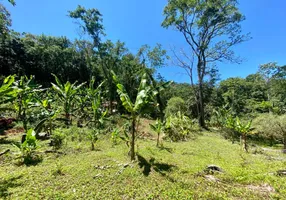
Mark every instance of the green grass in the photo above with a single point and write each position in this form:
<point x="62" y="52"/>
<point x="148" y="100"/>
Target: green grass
<point x="172" y="172"/>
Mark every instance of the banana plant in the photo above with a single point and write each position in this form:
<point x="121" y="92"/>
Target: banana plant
<point x="98" y="115"/>
<point x="230" y="124"/>
<point x="25" y="89"/>
<point x="28" y="147"/>
<point x="157" y="89"/>
<point x="7" y="93"/>
<point x="135" y="109"/>
<point x="157" y="127"/>
<point x="66" y="93"/>
<point x="94" y="95"/>
<point x="49" y="117"/>
<point x="244" y="130"/>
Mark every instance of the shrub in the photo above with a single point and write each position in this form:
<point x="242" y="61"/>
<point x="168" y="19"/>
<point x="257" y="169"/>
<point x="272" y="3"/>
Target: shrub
<point x="175" y="105"/>
<point x="180" y="128"/>
<point x="271" y="127"/>
<point x="115" y="136"/>
<point x="58" y="139"/>
<point x="28" y="148"/>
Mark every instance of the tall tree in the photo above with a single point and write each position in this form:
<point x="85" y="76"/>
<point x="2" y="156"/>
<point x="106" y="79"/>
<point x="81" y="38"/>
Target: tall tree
<point x="92" y="22"/>
<point x="275" y="77"/>
<point x="210" y="28"/>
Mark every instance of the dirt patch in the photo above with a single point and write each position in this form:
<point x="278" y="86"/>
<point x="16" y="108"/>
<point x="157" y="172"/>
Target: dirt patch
<point x="14" y="131"/>
<point x="144" y="129"/>
<point x="263" y="189"/>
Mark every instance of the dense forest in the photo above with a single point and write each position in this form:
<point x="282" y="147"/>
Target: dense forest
<point x="94" y="90"/>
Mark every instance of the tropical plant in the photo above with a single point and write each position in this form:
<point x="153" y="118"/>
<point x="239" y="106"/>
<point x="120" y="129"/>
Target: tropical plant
<point x="94" y="95"/>
<point x="271" y="127"/>
<point x="57" y="139"/>
<point x="25" y="89"/>
<point x="135" y="109"/>
<point x="28" y="147"/>
<point x="158" y="128"/>
<point x="175" y="105"/>
<point x="219" y="116"/>
<point x="48" y="115"/>
<point x="66" y="93"/>
<point x="7" y="93"/>
<point x="115" y="136"/>
<point x="244" y="130"/>
<point x="93" y="137"/>
<point x="179" y="127"/>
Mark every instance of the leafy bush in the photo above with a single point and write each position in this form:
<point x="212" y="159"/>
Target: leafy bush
<point x="93" y="137"/>
<point x="180" y="128"/>
<point x="175" y="105"/>
<point x="229" y="128"/>
<point x="271" y="127"/>
<point x="28" y="147"/>
<point x="58" y="138"/>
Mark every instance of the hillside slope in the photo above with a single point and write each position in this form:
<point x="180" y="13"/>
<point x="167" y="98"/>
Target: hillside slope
<point x="173" y="172"/>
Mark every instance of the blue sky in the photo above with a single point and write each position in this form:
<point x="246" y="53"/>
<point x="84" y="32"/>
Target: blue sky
<point x="138" y="22"/>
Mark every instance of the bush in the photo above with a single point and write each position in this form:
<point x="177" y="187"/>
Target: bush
<point x="175" y="105"/>
<point x="28" y="148"/>
<point x="57" y="139"/>
<point x="271" y="127"/>
<point x="180" y="128"/>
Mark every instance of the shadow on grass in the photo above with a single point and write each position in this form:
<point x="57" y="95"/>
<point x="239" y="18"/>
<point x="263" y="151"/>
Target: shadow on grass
<point x="4" y="140"/>
<point x="168" y="149"/>
<point x="161" y="168"/>
<point x="8" y="183"/>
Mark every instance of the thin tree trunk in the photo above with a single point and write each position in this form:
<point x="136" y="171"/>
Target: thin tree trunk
<point x="132" y="143"/>
<point x="245" y="143"/>
<point x="284" y="138"/>
<point x="201" y="106"/>
<point x="158" y="140"/>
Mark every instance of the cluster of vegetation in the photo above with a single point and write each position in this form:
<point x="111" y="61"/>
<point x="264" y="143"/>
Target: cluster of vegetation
<point x="85" y="91"/>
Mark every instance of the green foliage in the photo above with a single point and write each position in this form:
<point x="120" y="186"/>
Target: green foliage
<point x="5" y="21"/>
<point x="57" y="139"/>
<point x="179" y="127"/>
<point x="174" y="172"/>
<point x="158" y="128"/>
<point x="92" y="22"/>
<point x="115" y="136"/>
<point x="28" y="147"/>
<point x="25" y="101"/>
<point x="220" y="117"/>
<point x="175" y="105"/>
<point x="7" y="93"/>
<point x="242" y="128"/>
<point x="13" y="2"/>
<point x="93" y="137"/>
<point x="48" y="117"/>
<point x="211" y="29"/>
<point x="66" y="93"/>
<point x="135" y="109"/>
<point x="271" y="127"/>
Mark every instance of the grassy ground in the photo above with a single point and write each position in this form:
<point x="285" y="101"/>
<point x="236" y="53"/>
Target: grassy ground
<point x="173" y="172"/>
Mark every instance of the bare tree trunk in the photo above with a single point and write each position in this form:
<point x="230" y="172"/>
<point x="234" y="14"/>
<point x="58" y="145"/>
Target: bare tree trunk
<point x="201" y="106"/>
<point x="132" y="143"/>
